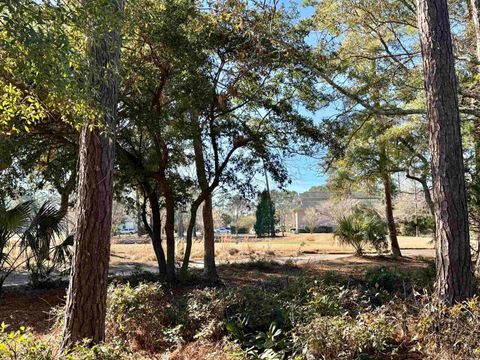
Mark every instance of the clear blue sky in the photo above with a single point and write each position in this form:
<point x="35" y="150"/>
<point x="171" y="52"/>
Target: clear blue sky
<point x="305" y="173"/>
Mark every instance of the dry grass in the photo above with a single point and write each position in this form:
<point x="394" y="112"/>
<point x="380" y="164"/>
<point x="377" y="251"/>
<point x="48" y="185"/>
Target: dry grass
<point x="230" y="248"/>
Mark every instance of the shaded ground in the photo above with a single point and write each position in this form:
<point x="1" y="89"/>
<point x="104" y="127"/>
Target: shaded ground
<point x="132" y="264"/>
<point x="33" y="309"/>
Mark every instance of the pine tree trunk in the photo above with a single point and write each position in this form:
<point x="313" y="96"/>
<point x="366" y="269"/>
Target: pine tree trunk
<point x="156" y="234"/>
<point x="86" y="299"/>
<point x="209" y="268"/>
<point x="454" y="275"/>
<point x="392" y="229"/>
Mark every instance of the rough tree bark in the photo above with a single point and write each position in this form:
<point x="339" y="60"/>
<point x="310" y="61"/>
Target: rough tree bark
<point x="86" y="300"/>
<point x="454" y="275"/>
<point x="392" y="229"/>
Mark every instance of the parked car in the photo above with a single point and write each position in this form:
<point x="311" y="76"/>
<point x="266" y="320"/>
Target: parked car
<point x="222" y="231"/>
<point x="127" y="230"/>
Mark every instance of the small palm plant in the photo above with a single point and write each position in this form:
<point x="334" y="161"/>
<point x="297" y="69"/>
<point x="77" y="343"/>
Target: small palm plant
<point x="362" y="227"/>
<point x="12" y="222"/>
<point x="44" y="251"/>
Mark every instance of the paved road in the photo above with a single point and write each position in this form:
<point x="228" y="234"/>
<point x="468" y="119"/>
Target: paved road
<point x="21" y="278"/>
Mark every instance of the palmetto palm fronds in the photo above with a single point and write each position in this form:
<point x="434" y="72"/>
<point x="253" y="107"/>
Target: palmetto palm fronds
<point x="12" y="222"/>
<point x="362" y="227"/>
<point x="40" y="240"/>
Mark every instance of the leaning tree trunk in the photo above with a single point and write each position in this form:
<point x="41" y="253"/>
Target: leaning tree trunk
<point x="209" y="268"/>
<point x="392" y="230"/>
<point x="85" y="309"/>
<point x="189" y="238"/>
<point x="156" y="233"/>
<point x="454" y="275"/>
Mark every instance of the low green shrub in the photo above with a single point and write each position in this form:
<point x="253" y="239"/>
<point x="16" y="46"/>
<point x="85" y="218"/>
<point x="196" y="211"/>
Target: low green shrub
<point x="344" y="337"/>
<point x="21" y="344"/>
<point x="393" y="280"/>
<point x="142" y="316"/>
<point x="449" y="333"/>
<point x="384" y="278"/>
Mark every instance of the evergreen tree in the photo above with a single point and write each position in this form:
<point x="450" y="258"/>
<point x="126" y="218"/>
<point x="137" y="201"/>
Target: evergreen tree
<point x="265" y="216"/>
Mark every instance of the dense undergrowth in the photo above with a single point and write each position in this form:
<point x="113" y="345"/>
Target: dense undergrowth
<point x="386" y="314"/>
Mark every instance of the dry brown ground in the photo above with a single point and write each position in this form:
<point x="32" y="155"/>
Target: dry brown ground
<point x="231" y="248"/>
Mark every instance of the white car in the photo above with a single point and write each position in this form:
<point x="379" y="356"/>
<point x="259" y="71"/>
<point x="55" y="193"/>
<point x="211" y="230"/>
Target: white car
<point x="223" y="230"/>
<point x="124" y="231"/>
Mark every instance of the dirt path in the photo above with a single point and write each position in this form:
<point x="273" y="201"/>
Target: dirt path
<point x="21" y="278"/>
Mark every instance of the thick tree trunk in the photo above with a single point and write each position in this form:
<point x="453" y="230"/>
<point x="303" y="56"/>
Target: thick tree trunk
<point x="454" y="275"/>
<point x="156" y="234"/>
<point x="392" y="230"/>
<point x="209" y="268"/>
<point x="170" y="235"/>
<point x="85" y="308"/>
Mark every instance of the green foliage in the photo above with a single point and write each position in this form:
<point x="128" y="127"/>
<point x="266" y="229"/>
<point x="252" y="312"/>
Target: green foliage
<point x="393" y="280"/>
<point x="43" y="250"/>
<point x="299" y="317"/>
<point x="424" y="223"/>
<point x="362" y="227"/>
<point x="31" y="238"/>
<point x="12" y="222"/>
<point x="43" y="65"/>
<point x="226" y="219"/>
<point x="344" y="337"/>
<point x="23" y="345"/>
<point x="146" y="315"/>
<point x="265" y="216"/>
<point x="449" y="333"/>
<point x="384" y="278"/>
<point x="140" y="314"/>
